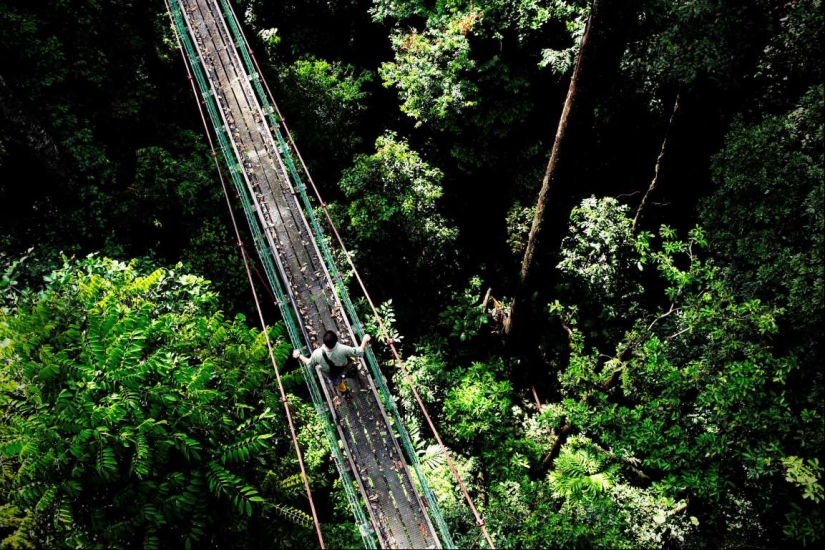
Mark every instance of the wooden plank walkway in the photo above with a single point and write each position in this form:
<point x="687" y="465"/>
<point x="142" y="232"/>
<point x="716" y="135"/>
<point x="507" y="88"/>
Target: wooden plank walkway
<point x="396" y="510"/>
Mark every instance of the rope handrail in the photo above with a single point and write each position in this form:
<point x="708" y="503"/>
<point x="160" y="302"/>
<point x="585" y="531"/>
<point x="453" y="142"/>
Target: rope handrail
<point x="343" y="295"/>
<point x="479" y="521"/>
<point x="244" y="254"/>
<point x="188" y="49"/>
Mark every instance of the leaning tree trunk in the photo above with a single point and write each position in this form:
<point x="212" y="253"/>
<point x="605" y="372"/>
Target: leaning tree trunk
<point x="601" y="50"/>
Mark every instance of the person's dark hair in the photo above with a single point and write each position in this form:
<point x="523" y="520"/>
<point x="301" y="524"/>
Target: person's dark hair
<point x="330" y="339"/>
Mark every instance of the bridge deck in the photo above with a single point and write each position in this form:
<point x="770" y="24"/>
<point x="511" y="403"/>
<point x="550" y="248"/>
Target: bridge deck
<point x="378" y="465"/>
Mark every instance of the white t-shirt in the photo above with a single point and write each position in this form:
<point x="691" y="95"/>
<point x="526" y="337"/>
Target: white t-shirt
<point x="339" y="355"/>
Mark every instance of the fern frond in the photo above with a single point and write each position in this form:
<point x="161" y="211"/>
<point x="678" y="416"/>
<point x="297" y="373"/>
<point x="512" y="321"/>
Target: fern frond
<point x="106" y="464"/>
<point x="150" y="540"/>
<point x="240" y="451"/>
<point x="31" y="493"/>
<point x="65" y="515"/>
<point x="218" y="337"/>
<point x="71" y="487"/>
<point x="110" y="319"/>
<point x="577" y="463"/>
<point x="255" y="420"/>
<point x="94" y="344"/>
<point x="114" y="356"/>
<point x="12" y="447"/>
<point x="160" y="362"/>
<point x="130" y="355"/>
<point x="223" y="482"/>
<point x="196" y="530"/>
<point x="21" y="537"/>
<point x="291" y="485"/>
<point x="292" y="481"/>
<point x="139" y="465"/>
<point x="34" y="465"/>
<point x="431" y="458"/>
<point x="201" y="377"/>
<point x="296" y="516"/>
<point x="600" y="482"/>
<point x="142" y="284"/>
<point x="192" y="495"/>
<point x="187" y="446"/>
<point x="46" y="500"/>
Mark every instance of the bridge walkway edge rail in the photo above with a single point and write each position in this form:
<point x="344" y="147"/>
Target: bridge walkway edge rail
<point x="371" y="454"/>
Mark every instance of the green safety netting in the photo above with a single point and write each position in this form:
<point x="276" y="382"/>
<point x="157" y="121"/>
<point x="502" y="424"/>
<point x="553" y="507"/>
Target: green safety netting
<point x="270" y="260"/>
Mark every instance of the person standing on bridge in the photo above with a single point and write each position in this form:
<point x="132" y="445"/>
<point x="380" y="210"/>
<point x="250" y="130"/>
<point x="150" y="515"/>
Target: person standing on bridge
<point x="333" y="357"/>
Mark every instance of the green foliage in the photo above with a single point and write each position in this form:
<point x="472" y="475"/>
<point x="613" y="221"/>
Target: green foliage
<point x="684" y="43"/>
<point x="431" y="69"/>
<point x="479" y="404"/>
<point x="808" y="476"/>
<point x="131" y="408"/>
<point x="574" y="15"/>
<point x="471" y="70"/>
<point x="428" y="372"/>
<point x="599" y="262"/>
<point x="519" y="222"/>
<point x="439" y="475"/>
<point x="465" y="316"/>
<point x="393" y="198"/>
<point x="695" y="391"/>
<point x="585" y="501"/>
<point x="386" y="312"/>
<point x="703" y="388"/>
<point x="9" y="272"/>
<point x="19" y="527"/>
<point x="525" y="20"/>
<point x="327" y="98"/>
<point x="77" y="107"/>
<point x="578" y="472"/>
<point x="789" y="65"/>
<point x="94" y="109"/>
<point x="772" y="243"/>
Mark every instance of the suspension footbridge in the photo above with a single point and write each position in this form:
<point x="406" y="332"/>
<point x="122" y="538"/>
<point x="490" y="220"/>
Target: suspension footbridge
<point x="390" y="498"/>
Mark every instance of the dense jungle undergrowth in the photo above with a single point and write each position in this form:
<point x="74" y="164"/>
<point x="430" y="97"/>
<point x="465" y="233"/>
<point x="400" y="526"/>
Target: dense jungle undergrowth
<point x="595" y="230"/>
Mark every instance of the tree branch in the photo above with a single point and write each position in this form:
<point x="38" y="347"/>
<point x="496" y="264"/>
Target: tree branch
<point x="672" y="309"/>
<point x="655" y="180"/>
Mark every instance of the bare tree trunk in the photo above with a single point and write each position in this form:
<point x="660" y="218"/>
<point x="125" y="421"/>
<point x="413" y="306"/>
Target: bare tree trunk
<point x="655" y="181"/>
<point x="599" y="56"/>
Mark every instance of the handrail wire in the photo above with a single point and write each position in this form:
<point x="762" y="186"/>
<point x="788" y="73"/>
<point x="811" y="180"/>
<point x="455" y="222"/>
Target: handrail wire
<point x="332" y="271"/>
<point x="365" y="529"/>
<point x="479" y="521"/>
<point x="244" y="254"/>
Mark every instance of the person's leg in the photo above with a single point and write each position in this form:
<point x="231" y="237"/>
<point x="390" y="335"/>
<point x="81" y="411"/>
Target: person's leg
<point x="335" y="374"/>
<point x="337" y="377"/>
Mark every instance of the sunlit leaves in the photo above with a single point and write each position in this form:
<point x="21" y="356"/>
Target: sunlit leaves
<point x="441" y="69"/>
<point x="393" y="196"/>
<point x="130" y="403"/>
<point x="430" y="71"/>
<point x="807" y="475"/>
<point x="478" y="404"/>
<point x="598" y="251"/>
<point x="579" y="470"/>
<point x="465" y="315"/>
<point x="694" y="389"/>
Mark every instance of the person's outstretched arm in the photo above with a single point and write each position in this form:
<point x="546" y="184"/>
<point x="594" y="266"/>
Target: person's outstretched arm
<point x="364" y="341"/>
<point x="297" y="355"/>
